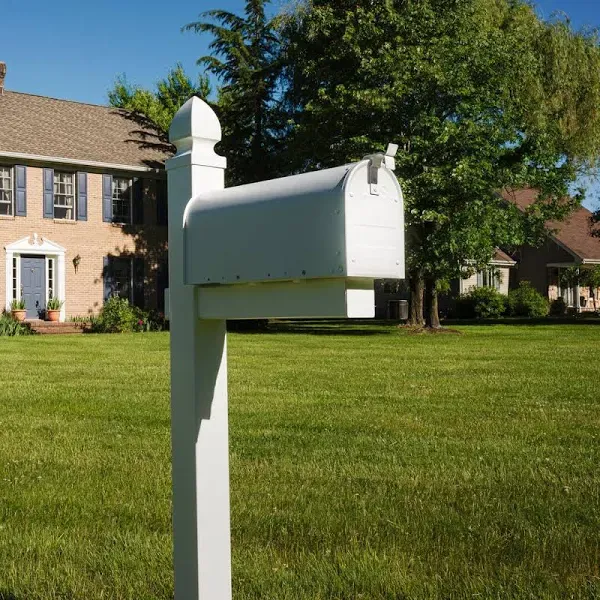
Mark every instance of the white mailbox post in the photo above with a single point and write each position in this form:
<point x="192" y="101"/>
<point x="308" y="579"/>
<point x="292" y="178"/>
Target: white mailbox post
<point x="306" y="246"/>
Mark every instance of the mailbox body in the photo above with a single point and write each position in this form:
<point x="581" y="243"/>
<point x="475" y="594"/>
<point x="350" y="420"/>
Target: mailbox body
<point x="332" y="230"/>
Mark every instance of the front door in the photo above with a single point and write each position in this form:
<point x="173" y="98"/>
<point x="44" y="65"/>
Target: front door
<point x="33" y="280"/>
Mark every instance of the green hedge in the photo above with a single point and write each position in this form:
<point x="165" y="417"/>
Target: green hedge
<point x="481" y="303"/>
<point x="526" y="301"/>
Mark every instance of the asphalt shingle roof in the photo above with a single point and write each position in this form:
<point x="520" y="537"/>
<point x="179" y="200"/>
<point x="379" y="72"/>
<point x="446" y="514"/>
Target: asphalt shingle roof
<point x="64" y="129"/>
<point x="575" y="233"/>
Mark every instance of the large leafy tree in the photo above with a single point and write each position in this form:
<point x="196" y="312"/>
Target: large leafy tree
<point x="480" y="94"/>
<point x="154" y="110"/>
<point x="245" y="58"/>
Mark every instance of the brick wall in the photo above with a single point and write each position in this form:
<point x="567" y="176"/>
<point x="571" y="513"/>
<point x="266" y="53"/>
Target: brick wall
<point x="92" y="240"/>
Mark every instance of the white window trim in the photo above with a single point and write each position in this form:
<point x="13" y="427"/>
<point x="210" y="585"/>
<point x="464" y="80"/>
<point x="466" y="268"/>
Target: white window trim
<point x="37" y="246"/>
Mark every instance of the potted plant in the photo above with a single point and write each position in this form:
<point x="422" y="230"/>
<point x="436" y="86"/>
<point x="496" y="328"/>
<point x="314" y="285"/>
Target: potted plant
<point x="17" y="309"/>
<point x="53" y="309"/>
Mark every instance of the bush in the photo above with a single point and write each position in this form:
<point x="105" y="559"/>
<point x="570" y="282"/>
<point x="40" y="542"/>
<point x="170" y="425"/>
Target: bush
<point x="558" y="307"/>
<point x="481" y="303"/>
<point x="117" y="316"/>
<point x="10" y="327"/>
<point x="526" y="301"/>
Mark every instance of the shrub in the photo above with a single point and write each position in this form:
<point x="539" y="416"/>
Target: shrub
<point x="481" y="303"/>
<point x="558" y="307"/>
<point x="117" y="316"/>
<point x="10" y="327"/>
<point x="526" y="301"/>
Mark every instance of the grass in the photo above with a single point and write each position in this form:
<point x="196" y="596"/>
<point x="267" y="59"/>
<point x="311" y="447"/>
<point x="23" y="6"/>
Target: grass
<point x="383" y="466"/>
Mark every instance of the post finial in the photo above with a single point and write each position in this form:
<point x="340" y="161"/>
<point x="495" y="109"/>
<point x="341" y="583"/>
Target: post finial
<point x="195" y="130"/>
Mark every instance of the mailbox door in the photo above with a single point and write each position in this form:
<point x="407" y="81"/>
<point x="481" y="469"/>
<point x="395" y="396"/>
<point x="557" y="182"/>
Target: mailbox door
<point x="374" y="224"/>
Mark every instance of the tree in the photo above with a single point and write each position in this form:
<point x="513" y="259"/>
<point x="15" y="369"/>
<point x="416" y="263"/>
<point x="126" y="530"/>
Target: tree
<point x="480" y="94"/>
<point x="245" y="58"/>
<point x="154" y="110"/>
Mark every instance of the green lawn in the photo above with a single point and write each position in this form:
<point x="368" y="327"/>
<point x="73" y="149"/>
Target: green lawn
<point x="385" y="466"/>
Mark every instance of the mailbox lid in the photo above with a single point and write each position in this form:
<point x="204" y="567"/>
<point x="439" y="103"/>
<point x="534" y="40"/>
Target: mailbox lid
<point x="282" y="229"/>
<point x="374" y="224"/>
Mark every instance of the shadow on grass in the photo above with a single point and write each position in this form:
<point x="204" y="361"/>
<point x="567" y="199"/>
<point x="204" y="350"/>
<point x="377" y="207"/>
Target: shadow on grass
<point x="359" y="328"/>
<point x="525" y="321"/>
<point x="6" y="595"/>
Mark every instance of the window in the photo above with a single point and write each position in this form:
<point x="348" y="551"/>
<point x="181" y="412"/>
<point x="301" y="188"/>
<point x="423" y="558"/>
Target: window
<point x="124" y="277"/>
<point x="51" y="282"/>
<point x="490" y="277"/>
<point x="15" y="281"/>
<point x="6" y="191"/>
<point x="120" y="277"/>
<point x="64" y="195"/>
<point x="122" y="189"/>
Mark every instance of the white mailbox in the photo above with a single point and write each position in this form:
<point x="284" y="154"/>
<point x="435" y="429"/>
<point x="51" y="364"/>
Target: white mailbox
<point x="302" y="246"/>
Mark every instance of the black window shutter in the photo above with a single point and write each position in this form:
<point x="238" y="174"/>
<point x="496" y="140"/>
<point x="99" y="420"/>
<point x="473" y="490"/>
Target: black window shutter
<point x="48" y="193"/>
<point x="82" y="195"/>
<point x="162" y="209"/>
<point x="138" y="282"/>
<point x="107" y="198"/>
<point x="106" y="275"/>
<point x="20" y="191"/>
<point x="138" y="201"/>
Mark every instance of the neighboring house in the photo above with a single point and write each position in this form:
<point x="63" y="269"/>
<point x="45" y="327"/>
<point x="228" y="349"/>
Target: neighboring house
<point x="390" y="292"/>
<point x="82" y="206"/>
<point x="496" y="275"/>
<point x="571" y="243"/>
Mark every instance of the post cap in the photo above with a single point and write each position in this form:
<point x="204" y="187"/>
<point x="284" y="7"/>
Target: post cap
<point x="195" y="119"/>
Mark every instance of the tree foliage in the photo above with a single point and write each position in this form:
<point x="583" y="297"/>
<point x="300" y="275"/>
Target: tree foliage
<point x="154" y="109"/>
<point x="480" y="94"/>
<point x="245" y="57"/>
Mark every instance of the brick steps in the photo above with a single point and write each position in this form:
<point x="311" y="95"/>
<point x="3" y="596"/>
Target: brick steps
<point x="52" y="328"/>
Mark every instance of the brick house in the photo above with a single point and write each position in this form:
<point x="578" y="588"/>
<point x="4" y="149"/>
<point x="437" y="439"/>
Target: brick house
<point x="82" y="206"/>
<point x="571" y="243"/>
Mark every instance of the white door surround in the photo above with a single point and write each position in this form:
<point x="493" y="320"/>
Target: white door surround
<point x="36" y="245"/>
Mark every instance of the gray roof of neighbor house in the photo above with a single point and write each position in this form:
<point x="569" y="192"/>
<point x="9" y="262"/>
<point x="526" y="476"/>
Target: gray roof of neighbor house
<point x="501" y="257"/>
<point x="38" y="126"/>
<point x="577" y="233"/>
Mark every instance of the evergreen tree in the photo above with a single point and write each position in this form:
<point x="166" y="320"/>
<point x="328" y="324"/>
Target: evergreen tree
<point x="245" y="58"/>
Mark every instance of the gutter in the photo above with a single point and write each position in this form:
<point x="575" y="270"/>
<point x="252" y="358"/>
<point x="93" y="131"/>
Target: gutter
<point x="77" y="162"/>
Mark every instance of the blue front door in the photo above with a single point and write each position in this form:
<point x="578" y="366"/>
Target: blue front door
<point x="33" y="283"/>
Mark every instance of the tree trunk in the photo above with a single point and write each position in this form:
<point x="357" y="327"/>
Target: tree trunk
<point x="432" y="315"/>
<point x="416" y="283"/>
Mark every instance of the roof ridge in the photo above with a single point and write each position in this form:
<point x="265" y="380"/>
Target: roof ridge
<point x="62" y="100"/>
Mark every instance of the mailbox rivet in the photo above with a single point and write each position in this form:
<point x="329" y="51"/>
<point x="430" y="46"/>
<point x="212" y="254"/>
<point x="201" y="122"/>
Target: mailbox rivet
<point x="397" y="262"/>
<point x="237" y="276"/>
<point x="341" y="269"/>
<point x="303" y="272"/>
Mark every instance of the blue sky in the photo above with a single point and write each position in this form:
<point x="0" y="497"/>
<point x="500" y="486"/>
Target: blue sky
<point x="73" y="49"/>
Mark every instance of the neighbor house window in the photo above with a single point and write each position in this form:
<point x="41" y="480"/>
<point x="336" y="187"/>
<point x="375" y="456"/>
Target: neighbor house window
<point x="6" y="191"/>
<point x="122" y="189"/>
<point x="64" y="195"/>
<point x="490" y="277"/>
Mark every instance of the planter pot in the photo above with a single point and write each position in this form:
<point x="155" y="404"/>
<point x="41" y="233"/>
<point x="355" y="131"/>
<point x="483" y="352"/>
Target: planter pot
<point x="18" y="315"/>
<point x="53" y="315"/>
